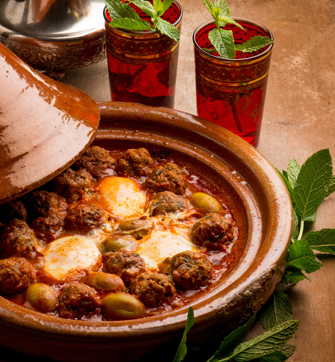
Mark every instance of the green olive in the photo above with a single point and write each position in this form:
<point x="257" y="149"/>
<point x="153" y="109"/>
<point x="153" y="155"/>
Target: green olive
<point x="105" y="282"/>
<point x="121" y="306"/>
<point x="205" y="203"/>
<point x="42" y="297"/>
<point x="132" y="225"/>
<point x="115" y="242"/>
<point x="137" y="228"/>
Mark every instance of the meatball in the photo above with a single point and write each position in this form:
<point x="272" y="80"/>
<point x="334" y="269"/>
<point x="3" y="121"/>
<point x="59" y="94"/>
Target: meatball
<point x="125" y="264"/>
<point x="213" y="231"/>
<point x="187" y="269"/>
<point x="96" y="161"/>
<point x="48" y="228"/>
<point x="76" y="301"/>
<point x="16" y="275"/>
<point x="83" y="218"/>
<point x="14" y="209"/>
<point x="167" y="202"/>
<point x="43" y="203"/>
<point x="135" y="162"/>
<point x="168" y="178"/>
<point x="153" y="289"/>
<point x="73" y="185"/>
<point x="17" y="239"/>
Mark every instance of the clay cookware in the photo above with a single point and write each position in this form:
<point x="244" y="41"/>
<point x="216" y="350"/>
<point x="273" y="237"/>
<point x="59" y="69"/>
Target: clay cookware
<point x="44" y="126"/>
<point x="257" y="189"/>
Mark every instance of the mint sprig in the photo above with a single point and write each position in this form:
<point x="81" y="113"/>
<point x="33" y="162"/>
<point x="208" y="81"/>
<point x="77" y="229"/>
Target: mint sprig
<point x="125" y="17"/>
<point x="308" y="186"/>
<point x="223" y="40"/>
<point x="182" y="349"/>
<point x="277" y="310"/>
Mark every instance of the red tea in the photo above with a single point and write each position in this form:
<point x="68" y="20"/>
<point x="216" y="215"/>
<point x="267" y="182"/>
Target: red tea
<point x="143" y="64"/>
<point x="231" y="92"/>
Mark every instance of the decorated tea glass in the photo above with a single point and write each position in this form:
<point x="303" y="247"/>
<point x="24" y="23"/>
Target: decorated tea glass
<point x="143" y="64"/>
<point x="231" y="92"/>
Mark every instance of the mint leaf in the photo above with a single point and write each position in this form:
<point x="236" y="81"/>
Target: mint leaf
<point x="216" y="14"/>
<point x="158" y="5"/>
<point x="295" y="232"/>
<point x="223" y="42"/>
<point x="118" y="10"/>
<point x="223" y="6"/>
<point x="322" y="240"/>
<point x="228" y="20"/>
<point x="209" y="6"/>
<point x="130" y="24"/>
<point x="264" y="344"/>
<point x="287" y="183"/>
<point x="331" y="186"/>
<point x="182" y="349"/>
<point x="232" y="340"/>
<point x="145" y="6"/>
<point x="162" y="6"/>
<point x="210" y="51"/>
<point x="167" y="28"/>
<point x="276" y="356"/>
<point x="311" y="218"/>
<point x="301" y="256"/>
<point x="288" y="350"/>
<point x="293" y="276"/>
<point x="293" y="170"/>
<point x="277" y="310"/>
<point x="255" y="43"/>
<point x="312" y="183"/>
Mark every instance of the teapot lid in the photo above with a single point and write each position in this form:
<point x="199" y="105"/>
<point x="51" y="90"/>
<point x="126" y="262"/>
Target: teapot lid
<point x="51" y="20"/>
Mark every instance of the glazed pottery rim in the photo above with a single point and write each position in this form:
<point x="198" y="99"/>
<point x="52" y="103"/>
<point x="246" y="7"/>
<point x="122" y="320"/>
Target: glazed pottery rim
<point x="239" y="60"/>
<point x="21" y="318"/>
<point x="144" y="32"/>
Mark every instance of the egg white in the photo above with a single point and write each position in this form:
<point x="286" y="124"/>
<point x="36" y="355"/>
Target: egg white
<point x="162" y="244"/>
<point x="71" y="257"/>
<point x="123" y="196"/>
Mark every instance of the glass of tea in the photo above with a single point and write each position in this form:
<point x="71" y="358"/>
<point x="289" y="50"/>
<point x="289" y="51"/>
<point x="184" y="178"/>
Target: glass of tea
<point x="231" y="92"/>
<point x="143" y="64"/>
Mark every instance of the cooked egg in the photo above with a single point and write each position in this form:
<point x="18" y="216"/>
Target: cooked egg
<point x="69" y="258"/>
<point x="162" y="244"/>
<point x="123" y="196"/>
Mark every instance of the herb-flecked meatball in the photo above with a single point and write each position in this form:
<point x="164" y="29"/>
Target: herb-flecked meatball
<point x="96" y="161"/>
<point x="76" y="301"/>
<point x="73" y="185"/>
<point x="14" y="209"/>
<point x="167" y="202"/>
<point x="125" y="264"/>
<point x="43" y="203"/>
<point x="49" y="227"/>
<point x="16" y="275"/>
<point x="84" y="217"/>
<point x="213" y="231"/>
<point x="135" y="162"/>
<point x="17" y="239"/>
<point x="187" y="269"/>
<point x="168" y="178"/>
<point x="153" y="289"/>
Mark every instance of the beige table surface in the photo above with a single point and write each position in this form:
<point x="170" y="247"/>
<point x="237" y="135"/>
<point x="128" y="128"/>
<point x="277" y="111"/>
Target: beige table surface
<point x="298" y="121"/>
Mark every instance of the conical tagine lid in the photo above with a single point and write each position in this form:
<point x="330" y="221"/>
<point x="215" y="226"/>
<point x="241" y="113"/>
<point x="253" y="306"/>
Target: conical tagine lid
<point x="44" y="126"/>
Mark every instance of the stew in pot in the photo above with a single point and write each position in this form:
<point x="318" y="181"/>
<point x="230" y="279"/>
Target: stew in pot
<point x="119" y="235"/>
